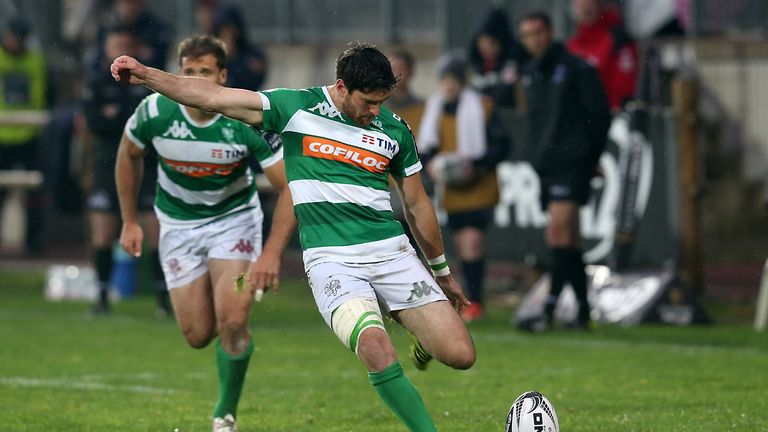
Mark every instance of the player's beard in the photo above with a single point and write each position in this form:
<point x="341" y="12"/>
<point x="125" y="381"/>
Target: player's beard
<point x="349" y="109"/>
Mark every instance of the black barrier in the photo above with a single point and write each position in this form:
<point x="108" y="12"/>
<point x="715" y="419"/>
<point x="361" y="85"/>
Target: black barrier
<point x="517" y="234"/>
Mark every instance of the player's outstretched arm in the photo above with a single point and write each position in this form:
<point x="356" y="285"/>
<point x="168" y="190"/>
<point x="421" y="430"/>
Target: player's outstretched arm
<point x="129" y="170"/>
<point x="239" y="104"/>
<point x="421" y="218"/>
<point x="264" y="273"/>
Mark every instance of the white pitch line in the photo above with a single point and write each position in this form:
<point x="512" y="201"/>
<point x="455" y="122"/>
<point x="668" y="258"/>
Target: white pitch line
<point x="611" y="344"/>
<point x="76" y="385"/>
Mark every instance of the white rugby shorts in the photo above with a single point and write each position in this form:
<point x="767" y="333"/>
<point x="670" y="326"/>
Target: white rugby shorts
<point x="184" y="253"/>
<point x="397" y="284"/>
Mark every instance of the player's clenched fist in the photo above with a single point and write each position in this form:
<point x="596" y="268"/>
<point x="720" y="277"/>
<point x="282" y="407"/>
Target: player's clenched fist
<point x="128" y="70"/>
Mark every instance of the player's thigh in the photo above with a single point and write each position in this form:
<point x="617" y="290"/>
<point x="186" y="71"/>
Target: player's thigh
<point x="232" y="305"/>
<point x="441" y="331"/>
<point x="103" y="228"/>
<point x="563" y="227"/>
<point x="193" y="307"/>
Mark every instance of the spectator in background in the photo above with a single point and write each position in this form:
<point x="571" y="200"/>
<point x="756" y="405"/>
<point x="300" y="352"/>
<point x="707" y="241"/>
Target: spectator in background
<point x="246" y="62"/>
<point x="461" y="141"/>
<point x="107" y="107"/>
<point x="568" y="120"/>
<point x="153" y="34"/>
<point x="22" y="87"/>
<point x="402" y="101"/>
<point x="496" y="57"/>
<point x="602" y="41"/>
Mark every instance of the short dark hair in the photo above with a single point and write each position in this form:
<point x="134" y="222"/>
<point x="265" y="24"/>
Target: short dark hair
<point x="363" y="67"/>
<point x="198" y="46"/>
<point x="543" y="17"/>
<point x="406" y="57"/>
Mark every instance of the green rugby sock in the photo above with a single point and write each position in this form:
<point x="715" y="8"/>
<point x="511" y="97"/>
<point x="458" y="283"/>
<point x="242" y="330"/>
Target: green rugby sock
<point x="401" y="396"/>
<point x="232" y="370"/>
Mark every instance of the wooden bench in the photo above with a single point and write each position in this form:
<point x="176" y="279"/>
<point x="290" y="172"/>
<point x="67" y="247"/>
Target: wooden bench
<point x="13" y="214"/>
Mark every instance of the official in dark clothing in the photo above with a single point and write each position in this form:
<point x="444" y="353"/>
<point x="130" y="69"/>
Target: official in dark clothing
<point x="107" y="108"/>
<point x="568" y="116"/>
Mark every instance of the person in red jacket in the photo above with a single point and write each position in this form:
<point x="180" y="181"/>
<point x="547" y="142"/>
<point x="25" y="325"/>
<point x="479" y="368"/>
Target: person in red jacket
<point x="602" y="41"/>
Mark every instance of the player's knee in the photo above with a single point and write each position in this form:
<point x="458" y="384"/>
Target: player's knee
<point x="461" y="356"/>
<point x="197" y="338"/>
<point x="232" y="327"/>
<point x="375" y="350"/>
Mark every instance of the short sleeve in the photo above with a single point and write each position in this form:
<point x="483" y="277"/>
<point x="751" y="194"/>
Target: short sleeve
<point x="406" y="162"/>
<point x="138" y="128"/>
<point x="267" y="153"/>
<point x="279" y="105"/>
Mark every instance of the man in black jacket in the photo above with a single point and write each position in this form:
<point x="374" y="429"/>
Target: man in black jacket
<point x="569" y="117"/>
<point x="107" y="108"/>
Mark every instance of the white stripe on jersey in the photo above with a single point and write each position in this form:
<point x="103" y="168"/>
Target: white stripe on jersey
<point x="199" y="151"/>
<point x="205" y="197"/>
<point x="313" y="191"/>
<point x="413" y="169"/>
<point x="275" y="158"/>
<point x="131" y="137"/>
<point x="306" y="123"/>
<point x="154" y="111"/>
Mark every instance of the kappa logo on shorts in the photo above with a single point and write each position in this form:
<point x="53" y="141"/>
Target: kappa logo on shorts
<point x="421" y="289"/>
<point x="332" y="287"/>
<point x="243" y="246"/>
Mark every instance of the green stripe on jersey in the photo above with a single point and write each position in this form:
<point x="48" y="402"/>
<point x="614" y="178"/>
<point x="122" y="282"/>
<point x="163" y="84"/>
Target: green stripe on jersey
<point x="180" y="210"/>
<point x="327" y="224"/>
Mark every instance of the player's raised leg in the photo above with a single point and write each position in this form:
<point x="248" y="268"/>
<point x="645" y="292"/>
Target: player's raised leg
<point x="441" y="331"/>
<point x="235" y="345"/>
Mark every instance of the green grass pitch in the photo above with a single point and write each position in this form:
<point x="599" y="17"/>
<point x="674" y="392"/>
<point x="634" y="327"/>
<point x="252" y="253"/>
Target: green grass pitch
<point x="130" y="372"/>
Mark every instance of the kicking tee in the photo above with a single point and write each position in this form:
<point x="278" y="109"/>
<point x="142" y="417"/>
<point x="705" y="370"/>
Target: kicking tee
<point x="203" y="172"/>
<point x="338" y="174"/>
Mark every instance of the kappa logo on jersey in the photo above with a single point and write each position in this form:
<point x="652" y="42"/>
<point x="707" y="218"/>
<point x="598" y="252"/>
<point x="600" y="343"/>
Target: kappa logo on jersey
<point x="243" y="246"/>
<point x="201" y="169"/>
<point x="325" y="109"/>
<point x="326" y="149"/>
<point x="179" y="130"/>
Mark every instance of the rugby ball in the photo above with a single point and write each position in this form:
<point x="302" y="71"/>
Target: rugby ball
<point x="532" y="412"/>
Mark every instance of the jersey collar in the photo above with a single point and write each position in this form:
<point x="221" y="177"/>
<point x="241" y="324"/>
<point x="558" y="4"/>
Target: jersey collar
<point x="196" y="123"/>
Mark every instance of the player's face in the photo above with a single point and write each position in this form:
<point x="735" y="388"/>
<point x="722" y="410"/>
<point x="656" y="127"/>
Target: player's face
<point x="536" y="37"/>
<point x="203" y="67"/>
<point x="362" y="107"/>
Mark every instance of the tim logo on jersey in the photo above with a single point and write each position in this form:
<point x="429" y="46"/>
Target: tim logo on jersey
<point x="332" y="150"/>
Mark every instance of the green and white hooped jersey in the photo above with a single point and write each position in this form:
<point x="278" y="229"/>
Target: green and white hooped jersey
<point x="338" y="174"/>
<point x="203" y="171"/>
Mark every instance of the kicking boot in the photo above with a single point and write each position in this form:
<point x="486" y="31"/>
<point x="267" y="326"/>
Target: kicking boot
<point x="418" y="355"/>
